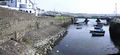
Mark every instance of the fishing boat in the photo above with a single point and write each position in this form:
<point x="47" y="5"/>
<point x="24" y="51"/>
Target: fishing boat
<point x="97" y="34"/>
<point x="97" y="31"/>
<point x="98" y="26"/>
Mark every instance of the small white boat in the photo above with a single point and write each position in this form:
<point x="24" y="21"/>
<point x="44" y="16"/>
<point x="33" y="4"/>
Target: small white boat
<point x="78" y="27"/>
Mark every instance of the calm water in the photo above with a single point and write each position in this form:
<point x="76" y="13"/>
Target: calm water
<point x="81" y="42"/>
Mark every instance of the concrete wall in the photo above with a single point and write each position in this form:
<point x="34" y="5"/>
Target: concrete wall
<point x="25" y="34"/>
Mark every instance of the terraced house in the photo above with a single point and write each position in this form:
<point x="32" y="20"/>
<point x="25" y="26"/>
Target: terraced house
<point x="22" y="5"/>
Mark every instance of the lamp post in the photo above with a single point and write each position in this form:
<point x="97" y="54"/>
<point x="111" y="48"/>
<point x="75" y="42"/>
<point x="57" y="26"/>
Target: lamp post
<point x="35" y="7"/>
<point x="116" y="8"/>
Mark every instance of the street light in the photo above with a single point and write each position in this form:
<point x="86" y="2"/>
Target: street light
<point x="116" y="8"/>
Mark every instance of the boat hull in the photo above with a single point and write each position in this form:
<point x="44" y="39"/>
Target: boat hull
<point x="91" y="31"/>
<point x="97" y="34"/>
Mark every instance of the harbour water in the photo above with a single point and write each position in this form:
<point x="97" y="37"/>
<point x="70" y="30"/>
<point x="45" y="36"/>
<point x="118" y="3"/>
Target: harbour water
<point x="81" y="41"/>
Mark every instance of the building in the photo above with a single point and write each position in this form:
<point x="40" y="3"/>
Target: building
<point x="39" y="11"/>
<point x="26" y="5"/>
<point x="22" y="5"/>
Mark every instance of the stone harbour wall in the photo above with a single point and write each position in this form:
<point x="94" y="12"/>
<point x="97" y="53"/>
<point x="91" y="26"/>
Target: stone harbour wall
<point x="25" y="34"/>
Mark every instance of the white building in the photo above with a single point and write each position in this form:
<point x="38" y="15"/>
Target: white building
<point x="39" y="11"/>
<point x="22" y="5"/>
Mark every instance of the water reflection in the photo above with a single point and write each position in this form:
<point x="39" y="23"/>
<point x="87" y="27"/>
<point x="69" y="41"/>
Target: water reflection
<point x="81" y="42"/>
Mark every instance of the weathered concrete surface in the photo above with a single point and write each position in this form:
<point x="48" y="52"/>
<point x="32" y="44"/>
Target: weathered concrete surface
<point x="114" y="30"/>
<point x="25" y="34"/>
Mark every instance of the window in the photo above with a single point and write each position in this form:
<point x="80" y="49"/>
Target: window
<point x="11" y="1"/>
<point x="19" y="0"/>
<point x="23" y="6"/>
<point x="29" y="5"/>
<point x="26" y="1"/>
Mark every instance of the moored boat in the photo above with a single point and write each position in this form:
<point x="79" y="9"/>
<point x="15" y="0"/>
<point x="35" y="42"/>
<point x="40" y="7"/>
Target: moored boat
<point x="97" y="34"/>
<point x="97" y="31"/>
<point x="78" y="27"/>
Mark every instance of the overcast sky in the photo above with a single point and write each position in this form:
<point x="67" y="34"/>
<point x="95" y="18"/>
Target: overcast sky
<point x="80" y="6"/>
